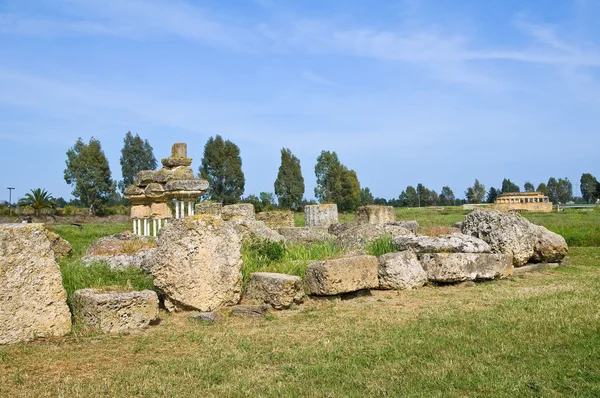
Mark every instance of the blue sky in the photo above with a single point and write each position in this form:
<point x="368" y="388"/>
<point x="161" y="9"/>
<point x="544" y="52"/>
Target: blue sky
<point x="436" y="92"/>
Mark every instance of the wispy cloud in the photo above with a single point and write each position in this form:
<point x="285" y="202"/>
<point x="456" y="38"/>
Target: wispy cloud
<point x="313" y="77"/>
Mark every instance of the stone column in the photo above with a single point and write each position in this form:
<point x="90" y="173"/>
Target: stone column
<point x="176" y="210"/>
<point x="189" y="206"/>
<point x="134" y="227"/>
<point x="154" y="227"/>
<point x="139" y="226"/>
<point x="320" y="215"/>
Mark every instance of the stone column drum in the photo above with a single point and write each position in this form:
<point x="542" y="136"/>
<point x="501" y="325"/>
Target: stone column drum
<point x="375" y="214"/>
<point x="320" y="215"/>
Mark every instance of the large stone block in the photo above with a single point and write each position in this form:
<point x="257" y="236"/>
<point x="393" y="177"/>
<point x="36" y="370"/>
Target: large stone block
<point x="458" y="267"/>
<point x="112" y="310"/>
<point x="276" y="219"/>
<point x="179" y="150"/>
<point x="210" y="208"/>
<point x="176" y="162"/>
<point x="198" y="263"/>
<point x="61" y="247"/>
<point x="401" y="270"/>
<point x="160" y="210"/>
<point x="452" y="243"/>
<point x="187" y="185"/>
<point x="355" y="236"/>
<point x="239" y="211"/>
<point x="320" y="215"/>
<point x="154" y="191"/>
<point x="141" y="211"/>
<point x="33" y="301"/>
<point x="249" y="229"/>
<point x="279" y="291"/>
<point x="306" y="235"/>
<point x="375" y="214"/>
<point x="342" y="275"/>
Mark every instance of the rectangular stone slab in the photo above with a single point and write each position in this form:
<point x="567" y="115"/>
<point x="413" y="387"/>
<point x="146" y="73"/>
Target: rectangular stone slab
<point x="458" y="267"/>
<point x="342" y="275"/>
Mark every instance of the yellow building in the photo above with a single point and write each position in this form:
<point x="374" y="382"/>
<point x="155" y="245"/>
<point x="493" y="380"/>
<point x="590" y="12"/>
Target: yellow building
<point x="523" y="201"/>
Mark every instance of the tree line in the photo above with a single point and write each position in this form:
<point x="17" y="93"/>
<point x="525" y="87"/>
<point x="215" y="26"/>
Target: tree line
<point x="88" y="172"/>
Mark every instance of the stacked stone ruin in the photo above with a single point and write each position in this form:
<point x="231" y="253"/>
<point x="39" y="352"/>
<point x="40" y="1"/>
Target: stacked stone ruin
<point x="160" y="195"/>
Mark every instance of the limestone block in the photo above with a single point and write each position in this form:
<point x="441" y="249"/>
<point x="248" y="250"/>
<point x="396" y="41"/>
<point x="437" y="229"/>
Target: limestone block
<point x="240" y="210"/>
<point x="145" y="177"/>
<point x="412" y="226"/>
<point x="141" y="211"/>
<point x="187" y="185"/>
<point x="60" y="247"/>
<point x="306" y="235"/>
<point x="458" y="267"/>
<point x="401" y="270"/>
<point x="179" y="150"/>
<point x="198" y="264"/>
<point x="160" y="210"/>
<point x="276" y="219"/>
<point x="112" y="310"/>
<point x="154" y="191"/>
<point x="210" y="208"/>
<point x="33" y="301"/>
<point x="248" y="229"/>
<point x="452" y="243"/>
<point x="250" y="311"/>
<point x="357" y="236"/>
<point x="177" y="173"/>
<point x="279" y="291"/>
<point x="375" y="214"/>
<point x="134" y="190"/>
<point x="342" y="275"/>
<point x="176" y="162"/>
<point x="320" y="215"/>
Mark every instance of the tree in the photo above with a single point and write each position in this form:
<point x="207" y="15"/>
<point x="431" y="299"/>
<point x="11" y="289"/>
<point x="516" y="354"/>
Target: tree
<point x="336" y="183"/>
<point x="136" y="156"/>
<point x="88" y="172"/>
<point x="366" y="197"/>
<point x="542" y="188"/>
<point x="411" y="198"/>
<point x="38" y="199"/>
<point x="447" y="196"/>
<point x="589" y="187"/>
<point x="560" y="191"/>
<point x="528" y="187"/>
<point x="289" y="185"/>
<point x="476" y="193"/>
<point x="492" y="195"/>
<point x="222" y="167"/>
<point x="267" y="199"/>
<point x="380" y="202"/>
<point x="509" y="186"/>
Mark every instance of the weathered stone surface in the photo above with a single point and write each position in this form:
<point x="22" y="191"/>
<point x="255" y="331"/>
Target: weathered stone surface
<point x="179" y="150"/>
<point x="212" y="316"/>
<point x="176" y="162"/>
<point x="198" y="263"/>
<point x="120" y="251"/>
<point x="452" y="243"/>
<point x="401" y="270"/>
<point x="412" y="226"/>
<point x="145" y="177"/>
<point x="60" y="246"/>
<point x="240" y="210"/>
<point x="375" y="214"/>
<point x="154" y="191"/>
<point x="306" y="235"/>
<point x="141" y="211"/>
<point x="514" y="235"/>
<point x="250" y="311"/>
<point x="187" y="185"/>
<point x="160" y="210"/>
<point x="134" y="190"/>
<point x="342" y="275"/>
<point x="33" y="301"/>
<point x="248" y="229"/>
<point x="142" y="259"/>
<point x="276" y="219"/>
<point x="320" y="215"/>
<point x="358" y="236"/>
<point x="177" y="173"/>
<point x="279" y="291"/>
<point x="535" y="267"/>
<point x="458" y="267"/>
<point x="210" y="208"/>
<point x="112" y="310"/>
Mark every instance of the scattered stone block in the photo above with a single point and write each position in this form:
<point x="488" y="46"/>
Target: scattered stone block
<point x="375" y="214"/>
<point x="249" y="229"/>
<point x="33" y="301"/>
<point x="212" y="316"/>
<point x="401" y="270"/>
<point x="342" y="275"/>
<point x="535" y="267"/>
<point x="112" y="310"/>
<point x="320" y="215"/>
<point x="306" y="235"/>
<point x="198" y="264"/>
<point x="458" y="267"/>
<point x="250" y="311"/>
<point x="210" y="208"/>
<point x="276" y="219"/>
<point x="355" y="236"/>
<point x="452" y="243"/>
<point x="279" y="291"/>
<point x="238" y="211"/>
<point x="412" y="226"/>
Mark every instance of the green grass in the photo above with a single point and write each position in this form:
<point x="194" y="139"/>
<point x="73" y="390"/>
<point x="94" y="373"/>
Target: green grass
<point x="381" y="246"/>
<point x="578" y="227"/>
<point x="77" y="275"/>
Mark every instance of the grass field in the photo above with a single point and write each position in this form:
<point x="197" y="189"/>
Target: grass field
<point x="531" y="335"/>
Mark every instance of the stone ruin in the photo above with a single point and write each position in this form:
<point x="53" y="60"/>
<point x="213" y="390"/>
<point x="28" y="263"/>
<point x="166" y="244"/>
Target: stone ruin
<point x="157" y="195"/>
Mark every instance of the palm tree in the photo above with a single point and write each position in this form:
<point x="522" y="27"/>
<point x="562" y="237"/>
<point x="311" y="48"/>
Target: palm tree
<point x="38" y="199"/>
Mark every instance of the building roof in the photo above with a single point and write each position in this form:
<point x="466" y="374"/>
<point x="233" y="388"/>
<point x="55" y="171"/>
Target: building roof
<point x="536" y="194"/>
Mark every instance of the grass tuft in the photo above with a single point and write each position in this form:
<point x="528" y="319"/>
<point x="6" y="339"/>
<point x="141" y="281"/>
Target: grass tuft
<point x="381" y="246"/>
